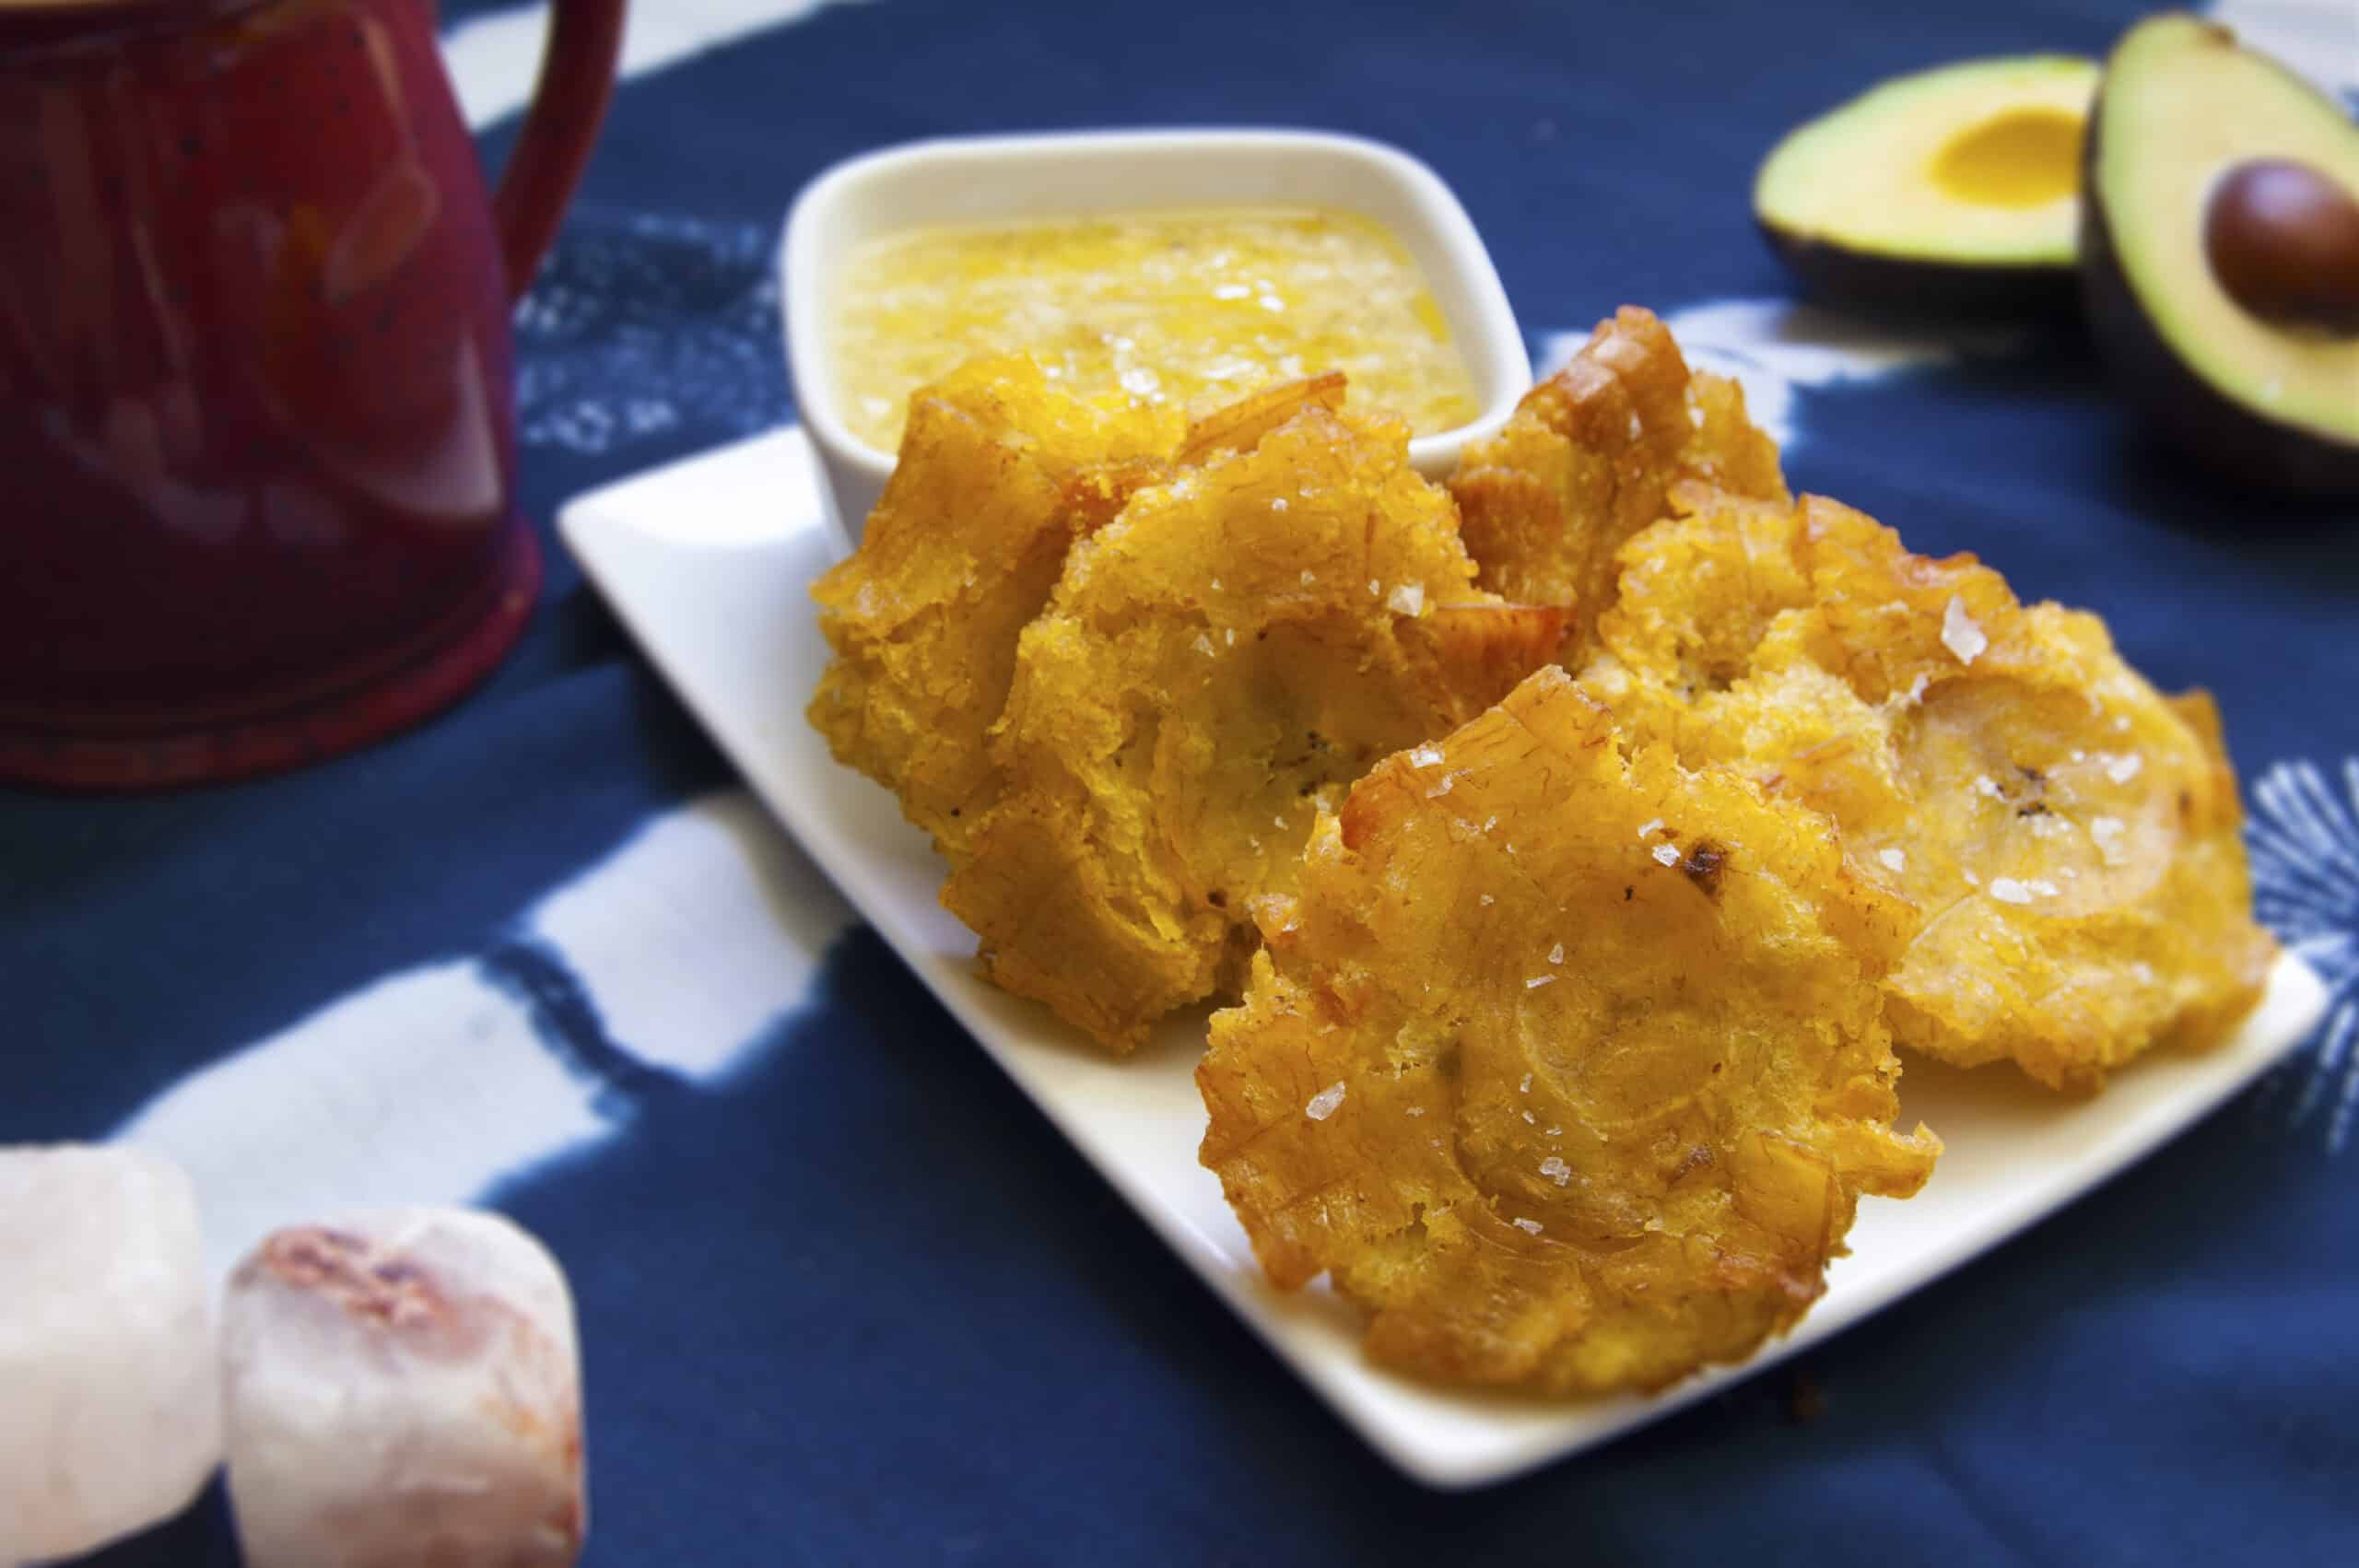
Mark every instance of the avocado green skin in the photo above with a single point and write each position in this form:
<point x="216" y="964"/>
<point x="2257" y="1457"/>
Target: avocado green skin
<point x="1839" y="274"/>
<point x="2208" y="425"/>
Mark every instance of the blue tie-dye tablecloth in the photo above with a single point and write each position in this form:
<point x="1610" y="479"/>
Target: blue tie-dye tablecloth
<point x="845" y="1296"/>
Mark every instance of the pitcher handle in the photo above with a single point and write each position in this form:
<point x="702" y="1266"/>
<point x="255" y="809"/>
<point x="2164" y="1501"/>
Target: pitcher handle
<point x="569" y="102"/>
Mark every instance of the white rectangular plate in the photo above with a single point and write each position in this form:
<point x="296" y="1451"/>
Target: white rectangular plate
<point x="707" y="562"/>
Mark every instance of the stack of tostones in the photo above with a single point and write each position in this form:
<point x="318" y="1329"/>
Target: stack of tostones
<point x="1589" y="458"/>
<point x="1115" y="675"/>
<point x="2064" y="837"/>
<point x="1568" y="1067"/>
<point x="1216" y="666"/>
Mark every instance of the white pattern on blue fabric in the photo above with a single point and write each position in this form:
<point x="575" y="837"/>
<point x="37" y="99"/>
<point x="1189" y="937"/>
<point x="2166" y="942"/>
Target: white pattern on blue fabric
<point x="493" y="59"/>
<point x="2318" y="38"/>
<point x="439" y="1083"/>
<point x="425" y="1086"/>
<point x="645" y="325"/>
<point x="2304" y="839"/>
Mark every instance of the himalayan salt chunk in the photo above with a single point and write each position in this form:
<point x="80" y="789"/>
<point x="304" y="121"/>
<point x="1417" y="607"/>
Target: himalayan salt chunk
<point x="1325" y="1103"/>
<point x="110" y="1388"/>
<point x="403" y="1387"/>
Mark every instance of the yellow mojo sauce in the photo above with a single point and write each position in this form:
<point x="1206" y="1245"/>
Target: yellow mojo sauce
<point x="1191" y="309"/>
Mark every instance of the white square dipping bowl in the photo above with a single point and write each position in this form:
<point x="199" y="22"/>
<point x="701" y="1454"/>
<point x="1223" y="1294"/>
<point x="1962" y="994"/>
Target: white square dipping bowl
<point x="1006" y="179"/>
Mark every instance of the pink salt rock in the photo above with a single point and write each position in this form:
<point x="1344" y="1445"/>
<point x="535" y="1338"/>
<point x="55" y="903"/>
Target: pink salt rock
<point x="403" y="1387"/>
<point x="110" y="1391"/>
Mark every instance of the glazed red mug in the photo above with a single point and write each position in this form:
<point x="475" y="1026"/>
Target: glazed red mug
<point x="257" y="422"/>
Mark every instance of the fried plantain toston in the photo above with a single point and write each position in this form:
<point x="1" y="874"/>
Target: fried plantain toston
<point x="1569" y="1068"/>
<point x="1001" y="469"/>
<point x="2065" y="837"/>
<point x="1217" y="664"/>
<point x="1589" y="458"/>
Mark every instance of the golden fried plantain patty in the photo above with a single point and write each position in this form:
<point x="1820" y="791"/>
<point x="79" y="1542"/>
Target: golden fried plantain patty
<point x="1569" y="1069"/>
<point x="2064" y="837"/>
<point x="1589" y="458"/>
<point x="1000" y="470"/>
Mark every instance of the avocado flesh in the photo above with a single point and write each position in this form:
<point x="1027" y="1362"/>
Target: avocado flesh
<point x="1931" y="185"/>
<point x="2183" y="105"/>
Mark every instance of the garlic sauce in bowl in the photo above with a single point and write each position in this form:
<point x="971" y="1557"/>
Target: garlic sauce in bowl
<point x="1213" y="261"/>
<point x="1192" y="309"/>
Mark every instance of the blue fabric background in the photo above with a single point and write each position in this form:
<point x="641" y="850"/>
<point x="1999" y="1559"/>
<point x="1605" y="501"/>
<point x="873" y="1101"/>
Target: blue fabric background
<point x="805" y="1345"/>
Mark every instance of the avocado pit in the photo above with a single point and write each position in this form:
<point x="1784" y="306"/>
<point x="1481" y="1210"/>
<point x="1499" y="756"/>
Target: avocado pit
<point x="2283" y="241"/>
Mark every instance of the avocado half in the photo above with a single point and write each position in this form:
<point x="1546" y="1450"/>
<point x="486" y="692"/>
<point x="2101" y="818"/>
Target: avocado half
<point x="1950" y="189"/>
<point x="2220" y="253"/>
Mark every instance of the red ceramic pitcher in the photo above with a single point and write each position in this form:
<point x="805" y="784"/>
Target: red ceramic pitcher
<point x="257" y="426"/>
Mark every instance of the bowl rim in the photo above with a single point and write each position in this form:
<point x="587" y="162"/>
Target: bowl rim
<point x="803" y="269"/>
